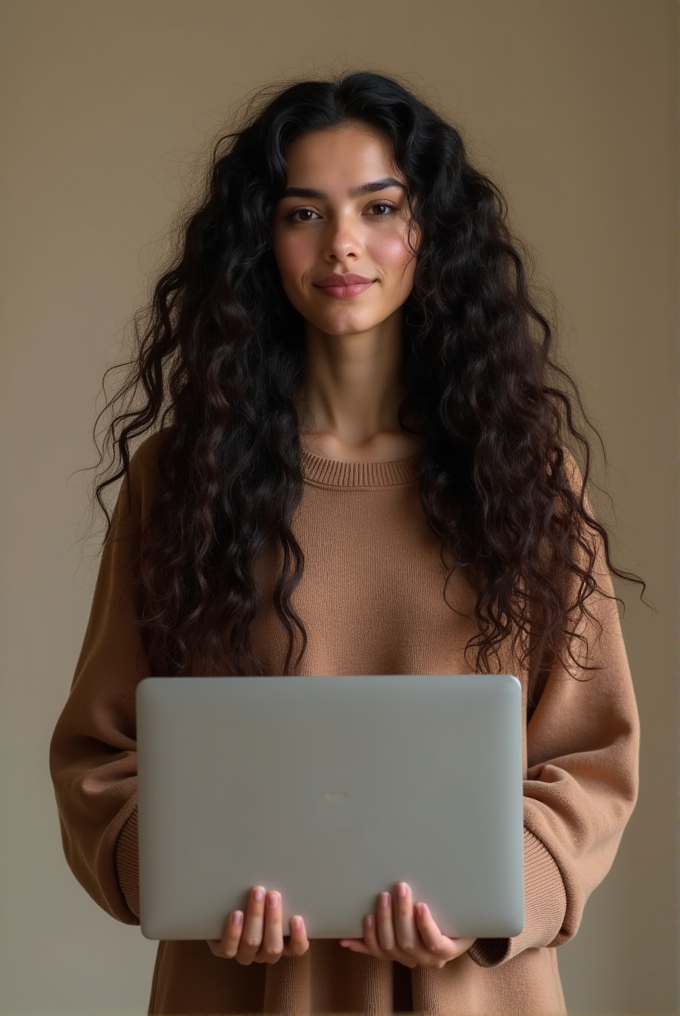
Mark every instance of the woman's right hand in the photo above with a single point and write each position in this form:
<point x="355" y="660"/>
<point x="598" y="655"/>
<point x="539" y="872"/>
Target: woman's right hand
<point x="259" y="937"/>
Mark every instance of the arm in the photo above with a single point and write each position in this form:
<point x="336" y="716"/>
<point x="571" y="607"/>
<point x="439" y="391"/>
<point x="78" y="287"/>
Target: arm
<point x="581" y="783"/>
<point x="93" y="756"/>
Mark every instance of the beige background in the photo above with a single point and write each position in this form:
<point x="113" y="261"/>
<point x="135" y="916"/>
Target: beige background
<point x="570" y="105"/>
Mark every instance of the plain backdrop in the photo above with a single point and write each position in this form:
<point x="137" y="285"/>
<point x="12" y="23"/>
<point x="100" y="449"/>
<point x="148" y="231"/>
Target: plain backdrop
<point x="105" y="107"/>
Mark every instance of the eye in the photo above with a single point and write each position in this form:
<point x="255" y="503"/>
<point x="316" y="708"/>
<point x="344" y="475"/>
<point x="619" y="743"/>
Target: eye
<point x="383" y="204"/>
<point x="290" y="217"/>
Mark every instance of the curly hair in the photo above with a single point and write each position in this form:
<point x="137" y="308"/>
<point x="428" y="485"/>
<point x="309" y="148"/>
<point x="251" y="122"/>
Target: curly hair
<point x="220" y="353"/>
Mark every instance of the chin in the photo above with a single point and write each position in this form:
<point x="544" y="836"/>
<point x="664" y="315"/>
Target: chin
<point x="347" y="328"/>
<point x="349" y="320"/>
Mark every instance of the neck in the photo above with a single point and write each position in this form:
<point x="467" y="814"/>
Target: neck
<point x="352" y="387"/>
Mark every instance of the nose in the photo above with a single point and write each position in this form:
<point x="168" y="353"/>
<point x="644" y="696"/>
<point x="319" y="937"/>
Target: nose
<point x="342" y="238"/>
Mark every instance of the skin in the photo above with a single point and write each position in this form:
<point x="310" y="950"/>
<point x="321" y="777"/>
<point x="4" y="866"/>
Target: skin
<point x="348" y="400"/>
<point x="397" y="931"/>
<point x="348" y="410"/>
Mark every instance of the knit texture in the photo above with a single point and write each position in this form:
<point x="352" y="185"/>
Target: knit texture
<point x="372" y="601"/>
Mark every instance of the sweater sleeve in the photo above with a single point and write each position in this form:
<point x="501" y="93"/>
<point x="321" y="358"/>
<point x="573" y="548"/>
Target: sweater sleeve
<point x="93" y="756"/>
<point x="581" y="782"/>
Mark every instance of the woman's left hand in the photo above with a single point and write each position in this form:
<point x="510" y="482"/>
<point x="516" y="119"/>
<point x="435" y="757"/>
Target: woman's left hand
<point x="399" y="931"/>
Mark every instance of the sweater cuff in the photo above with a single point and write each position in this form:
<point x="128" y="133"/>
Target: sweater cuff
<point x="545" y="904"/>
<point x="127" y="863"/>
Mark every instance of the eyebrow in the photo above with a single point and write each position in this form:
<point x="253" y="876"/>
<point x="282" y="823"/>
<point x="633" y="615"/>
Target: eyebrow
<point x="355" y="192"/>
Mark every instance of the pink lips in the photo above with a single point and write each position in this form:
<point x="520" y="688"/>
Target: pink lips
<point x="342" y="286"/>
<point x="347" y="279"/>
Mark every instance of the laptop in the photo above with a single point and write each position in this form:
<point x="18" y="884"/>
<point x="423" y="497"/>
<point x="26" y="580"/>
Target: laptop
<point x="330" y="790"/>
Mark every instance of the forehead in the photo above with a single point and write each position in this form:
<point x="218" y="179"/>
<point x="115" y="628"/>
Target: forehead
<point x="348" y="153"/>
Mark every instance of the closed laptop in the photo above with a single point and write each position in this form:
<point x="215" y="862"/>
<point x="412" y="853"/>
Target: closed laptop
<point x="330" y="790"/>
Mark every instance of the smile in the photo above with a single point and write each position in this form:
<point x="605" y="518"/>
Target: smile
<point x="343" y="292"/>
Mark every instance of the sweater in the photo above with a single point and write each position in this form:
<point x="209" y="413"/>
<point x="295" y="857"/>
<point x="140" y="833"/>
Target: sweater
<point x="372" y="601"/>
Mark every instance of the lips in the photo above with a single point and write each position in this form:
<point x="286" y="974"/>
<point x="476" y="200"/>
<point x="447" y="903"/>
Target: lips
<point x="343" y="280"/>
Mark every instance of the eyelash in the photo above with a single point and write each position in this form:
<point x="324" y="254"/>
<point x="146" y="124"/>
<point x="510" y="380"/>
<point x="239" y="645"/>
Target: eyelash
<point x="376" y="204"/>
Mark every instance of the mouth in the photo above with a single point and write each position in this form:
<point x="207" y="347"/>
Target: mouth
<point x="344" y="291"/>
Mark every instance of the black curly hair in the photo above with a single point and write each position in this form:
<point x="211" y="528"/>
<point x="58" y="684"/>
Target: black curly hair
<point x="221" y="353"/>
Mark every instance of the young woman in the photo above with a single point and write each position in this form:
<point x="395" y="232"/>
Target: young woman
<point x="358" y="463"/>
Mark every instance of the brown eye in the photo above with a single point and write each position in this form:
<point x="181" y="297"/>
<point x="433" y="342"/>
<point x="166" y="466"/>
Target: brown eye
<point x="383" y="204"/>
<point x="290" y="217"/>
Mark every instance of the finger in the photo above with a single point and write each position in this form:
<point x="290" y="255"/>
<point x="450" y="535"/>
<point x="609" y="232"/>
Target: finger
<point x="227" y="946"/>
<point x="461" y="945"/>
<point x="442" y="946"/>
<point x="354" y="944"/>
<point x="427" y="928"/>
<point x="406" y="932"/>
<point x="272" y="938"/>
<point x="371" y="943"/>
<point x="251" y="940"/>
<point x="387" y="940"/>
<point x="384" y="923"/>
<point x="298" y="943"/>
<point x="359" y="945"/>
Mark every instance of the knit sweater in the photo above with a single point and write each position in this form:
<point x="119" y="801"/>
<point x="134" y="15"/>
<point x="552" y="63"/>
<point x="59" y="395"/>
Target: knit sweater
<point x="372" y="601"/>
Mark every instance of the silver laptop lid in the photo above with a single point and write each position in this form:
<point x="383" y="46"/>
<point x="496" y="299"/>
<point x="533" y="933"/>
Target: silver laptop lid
<point x="330" y="790"/>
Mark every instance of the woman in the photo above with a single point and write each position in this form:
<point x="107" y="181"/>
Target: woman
<point x="389" y="452"/>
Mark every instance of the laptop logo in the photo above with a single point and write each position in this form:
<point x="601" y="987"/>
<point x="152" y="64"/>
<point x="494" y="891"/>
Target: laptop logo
<point x="336" y="795"/>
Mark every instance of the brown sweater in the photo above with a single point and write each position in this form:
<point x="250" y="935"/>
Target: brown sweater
<point x="371" y="598"/>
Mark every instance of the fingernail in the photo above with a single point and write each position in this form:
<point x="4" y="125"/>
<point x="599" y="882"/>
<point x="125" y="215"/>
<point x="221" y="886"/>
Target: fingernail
<point x="401" y="890"/>
<point x="273" y="900"/>
<point x="384" y="899"/>
<point x="296" y="922"/>
<point x="238" y="917"/>
<point x="420" y="909"/>
<point x="258" y="895"/>
<point x="369" y="920"/>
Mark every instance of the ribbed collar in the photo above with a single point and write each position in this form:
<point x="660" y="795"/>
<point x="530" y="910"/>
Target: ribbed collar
<point x="331" y="473"/>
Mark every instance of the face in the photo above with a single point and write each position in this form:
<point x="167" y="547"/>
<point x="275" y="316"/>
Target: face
<point x="344" y="211"/>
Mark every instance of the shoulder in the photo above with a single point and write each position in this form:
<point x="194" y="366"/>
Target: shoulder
<point x="574" y="475"/>
<point x="572" y="469"/>
<point x="143" y="475"/>
<point x="145" y="455"/>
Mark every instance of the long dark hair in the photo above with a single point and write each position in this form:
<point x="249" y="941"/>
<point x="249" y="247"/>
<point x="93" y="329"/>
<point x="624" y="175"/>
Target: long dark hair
<point x="221" y="352"/>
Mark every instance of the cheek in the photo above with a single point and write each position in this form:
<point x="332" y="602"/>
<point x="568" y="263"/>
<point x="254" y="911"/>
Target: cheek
<point x="390" y="251"/>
